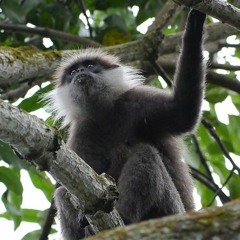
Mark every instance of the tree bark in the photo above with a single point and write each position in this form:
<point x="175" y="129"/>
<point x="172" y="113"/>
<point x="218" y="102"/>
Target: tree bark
<point x="40" y="144"/>
<point x="223" y="11"/>
<point x="18" y="65"/>
<point x="215" y="223"/>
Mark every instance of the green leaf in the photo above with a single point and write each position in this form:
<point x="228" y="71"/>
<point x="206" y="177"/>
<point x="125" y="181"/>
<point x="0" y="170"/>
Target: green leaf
<point x="233" y="186"/>
<point x="115" y="21"/>
<point x="234" y="132"/>
<point x="11" y="179"/>
<point x="148" y="9"/>
<point x="206" y="194"/>
<point x="8" y="156"/>
<point x="12" y="202"/>
<point x="34" y="102"/>
<point x="219" y="167"/>
<point x="29" y="215"/>
<point x="236" y="100"/>
<point x="213" y="149"/>
<point x="35" y="216"/>
<point x="6" y="215"/>
<point x="223" y="132"/>
<point x="42" y="182"/>
<point x="11" y="208"/>
<point x="32" y="235"/>
<point x="156" y="83"/>
<point x="17" y="12"/>
<point x="215" y="94"/>
<point x="203" y="136"/>
<point x="12" y="198"/>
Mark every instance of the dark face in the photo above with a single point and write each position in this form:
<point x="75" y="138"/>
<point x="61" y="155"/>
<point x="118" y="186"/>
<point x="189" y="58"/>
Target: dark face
<point x="85" y="80"/>
<point x="86" y="70"/>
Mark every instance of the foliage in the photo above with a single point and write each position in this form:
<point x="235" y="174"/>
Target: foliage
<point x="114" y="22"/>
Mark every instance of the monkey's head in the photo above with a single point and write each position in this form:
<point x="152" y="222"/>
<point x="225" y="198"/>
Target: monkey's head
<point x="87" y="80"/>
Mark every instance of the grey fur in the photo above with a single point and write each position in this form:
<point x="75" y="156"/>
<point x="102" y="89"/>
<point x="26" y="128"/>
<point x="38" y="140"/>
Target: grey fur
<point x="130" y="131"/>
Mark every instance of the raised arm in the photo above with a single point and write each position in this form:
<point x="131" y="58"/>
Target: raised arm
<point x="189" y="81"/>
<point x="177" y="111"/>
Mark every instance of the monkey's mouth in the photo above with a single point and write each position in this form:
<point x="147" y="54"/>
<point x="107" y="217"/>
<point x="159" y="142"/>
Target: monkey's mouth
<point x="83" y="79"/>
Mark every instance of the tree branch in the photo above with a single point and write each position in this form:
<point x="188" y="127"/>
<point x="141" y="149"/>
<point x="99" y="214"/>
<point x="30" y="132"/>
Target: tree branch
<point x="49" y="221"/>
<point x="215" y="31"/>
<point x="221" y="145"/>
<point x="38" y="143"/>
<point x="227" y="67"/>
<point x="82" y="5"/>
<point x="209" y="223"/>
<point x="202" y="158"/>
<point x="166" y="13"/>
<point x="20" y="91"/>
<point x="202" y="178"/>
<point x="24" y="63"/>
<point x="169" y="64"/>
<point x="223" y="81"/>
<point x="51" y="33"/>
<point x="223" y="11"/>
<point x="223" y="185"/>
<point x="27" y="63"/>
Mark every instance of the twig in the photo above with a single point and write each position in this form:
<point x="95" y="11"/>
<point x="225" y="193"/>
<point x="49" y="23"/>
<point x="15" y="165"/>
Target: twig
<point x="160" y="71"/>
<point x="82" y="5"/>
<point x="202" y="157"/>
<point x="49" y="222"/>
<point x="208" y="183"/>
<point x="213" y="133"/>
<point x="223" y="185"/>
<point x="51" y="33"/>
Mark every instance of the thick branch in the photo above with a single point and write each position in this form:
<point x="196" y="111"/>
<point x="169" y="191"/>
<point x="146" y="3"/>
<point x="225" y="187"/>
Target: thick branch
<point x="27" y="63"/>
<point x="223" y="11"/>
<point x="169" y="63"/>
<point x="213" y="32"/>
<point x="23" y="63"/>
<point x="209" y="223"/>
<point x="20" y="91"/>
<point x="223" y="81"/>
<point x="41" y="145"/>
<point x="227" y="67"/>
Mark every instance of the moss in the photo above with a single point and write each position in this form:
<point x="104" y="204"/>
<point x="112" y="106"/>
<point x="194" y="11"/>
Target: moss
<point x="26" y="53"/>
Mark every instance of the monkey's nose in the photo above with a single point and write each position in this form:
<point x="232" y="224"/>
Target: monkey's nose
<point x="81" y="70"/>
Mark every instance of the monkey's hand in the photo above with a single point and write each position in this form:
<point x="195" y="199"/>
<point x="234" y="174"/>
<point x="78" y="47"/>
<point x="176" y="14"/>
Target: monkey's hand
<point x="195" y="22"/>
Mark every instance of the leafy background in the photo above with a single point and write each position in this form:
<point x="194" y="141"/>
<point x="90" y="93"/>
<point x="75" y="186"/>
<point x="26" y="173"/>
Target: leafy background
<point x="214" y="153"/>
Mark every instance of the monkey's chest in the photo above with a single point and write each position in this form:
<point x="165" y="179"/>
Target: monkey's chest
<point x="102" y="153"/>
<point x="104" y="147"/>
<point x="118" y="157"/>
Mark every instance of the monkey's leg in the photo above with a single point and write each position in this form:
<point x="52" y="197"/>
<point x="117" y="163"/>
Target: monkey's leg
<point x="71" y="220"/>
<point x="145" y="187"/>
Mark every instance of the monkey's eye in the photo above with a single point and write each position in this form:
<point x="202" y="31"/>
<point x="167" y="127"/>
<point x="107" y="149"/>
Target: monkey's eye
<point x="73" y="72"/>
<point x="90" y="66"/>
